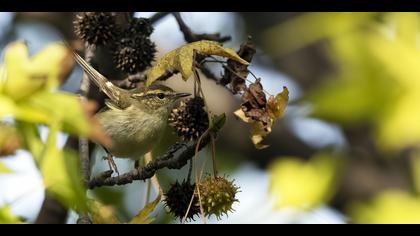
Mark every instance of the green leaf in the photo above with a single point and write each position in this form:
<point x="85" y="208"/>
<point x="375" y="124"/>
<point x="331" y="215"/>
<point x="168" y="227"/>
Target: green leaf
<point x="60" y="172"/>
<point x="308" y="28"/>
<point x="32" y="140"/>
<point x="4" y="169"/>
<point x="141" y="217"/>
<point x="6" y="216"/>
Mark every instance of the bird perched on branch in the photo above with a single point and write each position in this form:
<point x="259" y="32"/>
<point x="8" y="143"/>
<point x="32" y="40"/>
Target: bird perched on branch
<point x="134" y="120"/>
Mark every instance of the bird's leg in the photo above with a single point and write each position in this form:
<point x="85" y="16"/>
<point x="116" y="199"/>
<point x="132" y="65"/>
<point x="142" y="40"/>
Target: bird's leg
<point x="136" y="164"/>
<point x="111" y="163"/>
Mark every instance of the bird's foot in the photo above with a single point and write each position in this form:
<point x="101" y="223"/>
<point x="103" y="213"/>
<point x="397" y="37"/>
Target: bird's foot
<point x="111" y="164"/>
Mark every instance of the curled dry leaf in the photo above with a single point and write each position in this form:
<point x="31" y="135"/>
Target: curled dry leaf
<point x="237" y="71"/>
<point x="181" y="59"/>
<point x="277" y="105"/>
<point x="255" y="110"/>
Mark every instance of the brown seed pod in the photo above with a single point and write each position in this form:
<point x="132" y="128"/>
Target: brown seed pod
<point x="190" y="119"/>
<point x="178" y="200"/>
<point x="96" y="28"/>
<point x="134" y="54"/>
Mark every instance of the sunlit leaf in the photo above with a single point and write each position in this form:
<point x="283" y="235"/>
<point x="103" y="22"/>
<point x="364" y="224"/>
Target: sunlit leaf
<point x="181" y="59"/>
<point x="25" y="76"/>
<point x="296" y="183"/>
<point x="142" y="216"/>
<point x="9" y="108"/>
<point x="389" y="207"/>
<point x="6" y="216"/>
<point x="398" y="128"/>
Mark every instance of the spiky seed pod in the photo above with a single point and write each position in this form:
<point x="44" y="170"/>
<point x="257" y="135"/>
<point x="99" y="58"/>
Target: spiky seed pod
<point x="134" y="54"/>
<point x="96" y="28"/>
<point x="217" y="195"/>
<point x="178" y="200"/>
<point x="190" y="119"/>
<point x="139" y="26"/>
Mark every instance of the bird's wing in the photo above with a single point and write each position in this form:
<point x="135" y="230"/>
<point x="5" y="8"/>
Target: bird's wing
<point x="117" y="95"/>
<point x="111" y="105"/>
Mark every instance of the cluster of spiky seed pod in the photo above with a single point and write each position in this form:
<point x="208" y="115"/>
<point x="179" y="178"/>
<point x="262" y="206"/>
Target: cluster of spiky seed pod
<point x="96" y="28"/>
<point x="215" y="195"/>
<point x="178" y="200"/>
<point x="131" y="45"/>
<point x="190" y="119"/>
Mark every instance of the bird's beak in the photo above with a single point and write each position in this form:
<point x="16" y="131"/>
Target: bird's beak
<point x="181" y="95"/>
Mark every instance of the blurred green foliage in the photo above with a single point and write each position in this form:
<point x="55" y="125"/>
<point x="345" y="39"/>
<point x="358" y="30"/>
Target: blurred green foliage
<point x="303" y="185"/>
<point x="6" y="216"/>
<point x="375" y="83"/>
<point x="28" y="95"/>
<point x="389" y="207"/>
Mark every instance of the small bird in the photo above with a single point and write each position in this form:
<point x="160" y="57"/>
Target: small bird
<point x="134" y="120"/>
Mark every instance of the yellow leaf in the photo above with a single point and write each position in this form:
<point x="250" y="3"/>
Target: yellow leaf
<point x="389" y="207"/>
<point x="102" y="214"/>
<point x="6" y="216"/>
<point x="277" y="105"/>
<point x="25" y="76"/>
<point x="181" y="59"/>
<point x="141" y="217"/>
<point x="305" y="185"/>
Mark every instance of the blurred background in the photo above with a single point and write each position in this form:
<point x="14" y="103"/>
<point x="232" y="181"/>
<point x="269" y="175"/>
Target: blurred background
<point x="346" y="150"/>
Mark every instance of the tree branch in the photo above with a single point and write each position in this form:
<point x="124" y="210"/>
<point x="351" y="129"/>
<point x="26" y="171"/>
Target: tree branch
<point x="158" y="16"/>
<point x="192" y="37"/>
<point x="170" y="160"/>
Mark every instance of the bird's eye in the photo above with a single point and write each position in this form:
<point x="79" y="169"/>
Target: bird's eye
<point x="161" y="95"/>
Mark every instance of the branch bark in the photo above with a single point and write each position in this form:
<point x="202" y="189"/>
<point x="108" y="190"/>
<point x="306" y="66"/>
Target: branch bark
<point x="176" y="157"/>
<point x="192" y="37"/>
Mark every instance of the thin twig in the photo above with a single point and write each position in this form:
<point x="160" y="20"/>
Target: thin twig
<point x="177" y="157"/>
<point x="192" y="37"/>
<point x="158" y="16"/>
<point x="83" y="142"/>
